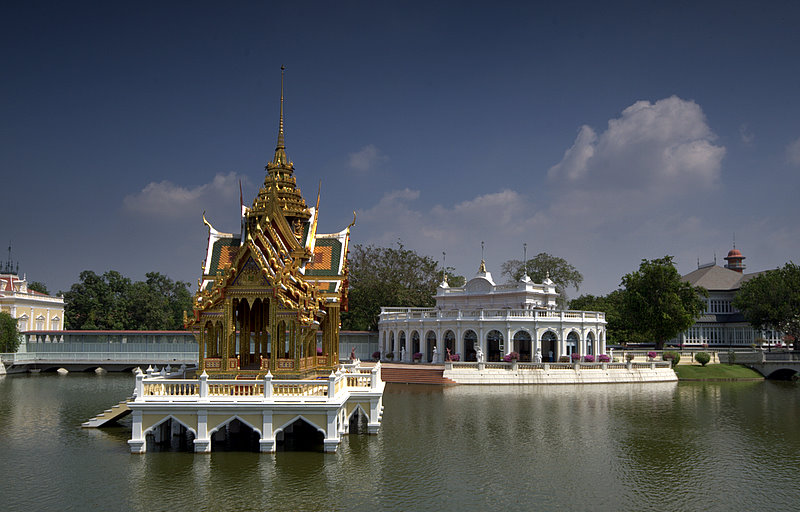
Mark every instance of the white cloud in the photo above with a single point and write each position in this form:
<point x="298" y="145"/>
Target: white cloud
<point x="793" y="152"/>
<point x="366" y="159"/>
<point x="649" y="146"/>
<point x="166" y="200"/>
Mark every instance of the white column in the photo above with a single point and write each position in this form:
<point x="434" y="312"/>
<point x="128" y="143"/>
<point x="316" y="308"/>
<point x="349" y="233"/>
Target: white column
<point x="267" y="442"/>
<point x="137" y="440"/>
<point x="331" y="441"/>
<point x="202" y="443"/>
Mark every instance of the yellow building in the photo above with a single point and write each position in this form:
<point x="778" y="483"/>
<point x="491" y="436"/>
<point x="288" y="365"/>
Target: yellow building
<point x="33" y="310"/>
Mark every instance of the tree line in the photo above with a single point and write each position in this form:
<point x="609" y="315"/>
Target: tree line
<point x="652" y="304"/>
<point x="114" y="302"/>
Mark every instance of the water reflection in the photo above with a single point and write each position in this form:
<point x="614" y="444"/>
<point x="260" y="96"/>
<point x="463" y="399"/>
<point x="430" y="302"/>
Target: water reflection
<point x="689" y="446"/>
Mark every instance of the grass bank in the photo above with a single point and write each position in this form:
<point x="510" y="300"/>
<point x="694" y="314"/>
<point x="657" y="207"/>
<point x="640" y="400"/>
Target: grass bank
<point x="716" y="372"/>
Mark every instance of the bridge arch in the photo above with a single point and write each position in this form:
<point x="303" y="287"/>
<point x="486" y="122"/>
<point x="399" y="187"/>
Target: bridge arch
<point x="782" y="374"/>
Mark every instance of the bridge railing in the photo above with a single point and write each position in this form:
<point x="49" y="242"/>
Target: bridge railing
<point x="157" y="388"/>
<point x="99" y="357"/>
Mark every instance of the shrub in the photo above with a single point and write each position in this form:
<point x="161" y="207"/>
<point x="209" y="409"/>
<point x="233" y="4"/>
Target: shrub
<point x="629" y="357"/>
<point x="674" y="357"/>
<point x="589" y="358"/>
<point x="376" y="355"/>
<point x="563" y="359"/>
<point x="604" y="358"/>
<point x="702" y="357"/>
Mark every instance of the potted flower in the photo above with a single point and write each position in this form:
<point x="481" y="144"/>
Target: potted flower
<point x="376" y="356"/>
<point x="651" y="356"/>
<point x="455" y="357"/>
<point x="604" y="358"/>
<point x="589" y="358"/>
<point x="629" y="357"/>
<point x="511" y="357"/>
<point x="390" y="356"/>
<point x="576" y="357"/>
<point x="417" y="357"/>
<point x="563" y="359"/>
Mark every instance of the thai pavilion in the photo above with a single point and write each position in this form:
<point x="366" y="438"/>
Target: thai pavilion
<point x="267" y="291"/>
<point x="265" y="295"/>
<point x="521" y="316"/>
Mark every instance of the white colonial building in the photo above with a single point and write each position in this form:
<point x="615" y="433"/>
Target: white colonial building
<point x="497" y="319"/>
<point x="721" y="324"/>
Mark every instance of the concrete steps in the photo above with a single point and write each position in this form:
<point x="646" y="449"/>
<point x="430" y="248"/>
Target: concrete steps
<point x="414" y="374"/>
<point x="116" y="412"/>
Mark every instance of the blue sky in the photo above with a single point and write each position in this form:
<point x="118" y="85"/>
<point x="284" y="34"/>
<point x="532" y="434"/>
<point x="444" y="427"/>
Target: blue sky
<point x="600" y="132"/>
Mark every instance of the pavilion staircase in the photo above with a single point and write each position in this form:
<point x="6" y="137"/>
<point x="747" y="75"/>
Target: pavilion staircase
<point x="109" y="415"/>
<point x="414" y="374"/>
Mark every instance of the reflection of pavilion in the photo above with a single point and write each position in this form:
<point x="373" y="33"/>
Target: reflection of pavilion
<point x="519" y="317"/>
<point x="264" y="295"/>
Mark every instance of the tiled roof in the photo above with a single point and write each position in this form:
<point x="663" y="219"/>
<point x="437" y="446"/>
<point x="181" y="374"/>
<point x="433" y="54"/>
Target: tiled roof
<point x="718" y="278"/>
<point x="223" y="252"/>
<point x="327" y="258"/>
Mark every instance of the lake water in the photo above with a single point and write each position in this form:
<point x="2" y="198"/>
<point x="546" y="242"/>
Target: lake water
<point x="677" y="446"/>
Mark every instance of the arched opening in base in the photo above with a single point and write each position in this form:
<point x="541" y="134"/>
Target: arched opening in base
<point x="300" y="436"/>
<point x="357" y="423"/>
<point x="235" y="436"/>
<point x="170" y="436"/>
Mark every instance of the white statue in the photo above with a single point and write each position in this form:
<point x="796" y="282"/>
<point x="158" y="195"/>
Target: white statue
<point x="479" y="355"/>
<point x="403" y="354"/>
<point x="538" y="355"/>
<point x="435" y="354"/>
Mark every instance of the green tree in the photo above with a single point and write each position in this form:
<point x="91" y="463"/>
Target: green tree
<point x="112" y="301"/>
<point x="38" y="286"/>
<point x="655" y="304"/>
<point x="388" y="276"/>
<point x="9" y="333"/>
<point x="562" y="273"/>
<point x="618" y="331"/>
<point x="771" y="300"/>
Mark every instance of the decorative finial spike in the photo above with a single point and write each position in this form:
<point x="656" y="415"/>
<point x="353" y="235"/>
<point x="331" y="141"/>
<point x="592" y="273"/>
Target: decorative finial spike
<point x="280" y="150"/>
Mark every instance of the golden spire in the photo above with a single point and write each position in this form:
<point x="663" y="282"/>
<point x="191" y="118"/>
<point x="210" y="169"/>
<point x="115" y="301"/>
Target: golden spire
<point x="280" y="150"/>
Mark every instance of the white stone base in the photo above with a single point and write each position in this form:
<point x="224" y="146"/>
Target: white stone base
<point x="202" y="446"/>
<point x="330" y="445"/>
<point x="559" y="376"/>
<point x="137" y="445"/>
<point x="267" y="445"/>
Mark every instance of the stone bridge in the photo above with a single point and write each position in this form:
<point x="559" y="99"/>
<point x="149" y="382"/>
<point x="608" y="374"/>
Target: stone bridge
<point x="772" y="365"/>
<point x="89" y="361"/>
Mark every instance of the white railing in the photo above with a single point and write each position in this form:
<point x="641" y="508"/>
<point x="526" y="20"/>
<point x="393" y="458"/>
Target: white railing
<point x="153" y="387"/>
<point x="395" y="314"/>
<point x="558" y="366"/>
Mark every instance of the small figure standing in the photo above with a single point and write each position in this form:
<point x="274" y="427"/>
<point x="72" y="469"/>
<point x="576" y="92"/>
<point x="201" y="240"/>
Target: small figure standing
<point x="403" y="354"/>
<point x="353" y="354"/>
<point x="435" y="354"/>
<point x="550" y="355"/>
<point x="479" y="355"/>
<point x="538" y="355"/>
